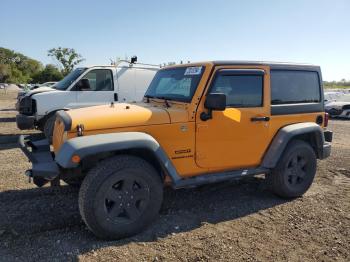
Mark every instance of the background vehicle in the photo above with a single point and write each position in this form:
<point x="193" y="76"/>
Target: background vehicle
<point x="85" y="86"/>
<point x="198" y="123"/>
<point x="339" y="108"/>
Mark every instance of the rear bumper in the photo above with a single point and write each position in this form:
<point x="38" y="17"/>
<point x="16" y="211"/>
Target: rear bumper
<point x="25" y="122"/>
<point x="38" y="152"/>
<point x="327" y="146"/>
<point x="328" y="136"/>
<point x="326" y="150"/>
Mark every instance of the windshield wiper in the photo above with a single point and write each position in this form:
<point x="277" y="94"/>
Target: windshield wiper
<point x="165" y="101"/>
<point x="159" y="97"/>
<point x="148" y="97"/>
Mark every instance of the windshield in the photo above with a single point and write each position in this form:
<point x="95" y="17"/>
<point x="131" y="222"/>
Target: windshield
<point x="69" y="79"/>
<point x="177" y="84"/>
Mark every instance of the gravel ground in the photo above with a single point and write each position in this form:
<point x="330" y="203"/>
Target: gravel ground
<point x="228" y="222"/>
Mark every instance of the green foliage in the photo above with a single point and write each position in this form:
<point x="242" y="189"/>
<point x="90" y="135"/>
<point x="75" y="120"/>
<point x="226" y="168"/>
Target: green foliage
<point x="50" y="73"/>
<point x="4" y="72"/>
<point x="337" y="84"/>
<point x="16" y="67"/>
<point x="68" y="58"/>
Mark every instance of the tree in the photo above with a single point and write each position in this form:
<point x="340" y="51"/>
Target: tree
<point x="4" y="72"/>
<point x="50" y="73"/>
<point x="17" y="76"/>
<point x="68" y="58"/>
<point x="16" y="67"/>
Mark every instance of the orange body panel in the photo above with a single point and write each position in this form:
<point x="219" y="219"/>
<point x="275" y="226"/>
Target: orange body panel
<point x="229" y="140"/>
<point x="119" y="115"/>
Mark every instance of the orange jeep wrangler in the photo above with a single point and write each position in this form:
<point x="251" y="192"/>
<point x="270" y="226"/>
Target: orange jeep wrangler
<point x="198" y="123"/>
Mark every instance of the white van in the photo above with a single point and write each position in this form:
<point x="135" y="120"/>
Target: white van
<point x="84" y="86"/>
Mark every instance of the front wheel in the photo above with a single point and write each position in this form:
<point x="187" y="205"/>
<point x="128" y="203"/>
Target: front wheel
<point x="120" y="197"/>
<point x="295" y="171"/>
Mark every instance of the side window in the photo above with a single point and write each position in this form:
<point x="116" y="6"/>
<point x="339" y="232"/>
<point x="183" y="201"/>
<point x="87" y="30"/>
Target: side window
<point x="91" y="76"/>
<point x="240" y="90"/>
<point x="100" y="80"/>
<point x="291" y="86"/>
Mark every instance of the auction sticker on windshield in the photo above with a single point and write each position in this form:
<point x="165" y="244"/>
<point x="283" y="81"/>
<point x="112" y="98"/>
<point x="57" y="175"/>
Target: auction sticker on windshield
<point x="194" y="70"/>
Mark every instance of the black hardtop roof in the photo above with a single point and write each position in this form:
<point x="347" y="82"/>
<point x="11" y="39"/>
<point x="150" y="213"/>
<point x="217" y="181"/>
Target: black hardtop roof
<point x="273" y="65"/>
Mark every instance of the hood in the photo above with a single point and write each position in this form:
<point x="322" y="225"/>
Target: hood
<point x="336" y="104"/>
<point x="40" y="90"/>
<point x="118" y="115"/>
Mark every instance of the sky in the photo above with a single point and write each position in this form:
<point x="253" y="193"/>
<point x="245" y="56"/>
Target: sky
<point x="305" y="31"/>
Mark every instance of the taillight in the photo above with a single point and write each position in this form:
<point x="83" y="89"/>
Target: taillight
<point x="326" y="117"/>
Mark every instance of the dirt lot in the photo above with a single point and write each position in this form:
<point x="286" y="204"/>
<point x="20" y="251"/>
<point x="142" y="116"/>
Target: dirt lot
<point x="229" y="222"/>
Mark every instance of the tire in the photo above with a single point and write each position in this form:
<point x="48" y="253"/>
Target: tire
<point x="120" y="197"/>
<point x="48" y="127"/>
<point x="295" y="170"/>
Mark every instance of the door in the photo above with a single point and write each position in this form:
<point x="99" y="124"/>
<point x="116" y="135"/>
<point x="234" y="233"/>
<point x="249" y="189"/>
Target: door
<point x="238" y="136"/>
<point x="101" y="89"/>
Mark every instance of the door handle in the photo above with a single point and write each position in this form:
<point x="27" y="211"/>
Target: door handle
<point x="260" y="118"/>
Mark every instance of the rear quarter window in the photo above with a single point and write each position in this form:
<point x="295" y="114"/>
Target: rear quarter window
<point x="293" y="86"/>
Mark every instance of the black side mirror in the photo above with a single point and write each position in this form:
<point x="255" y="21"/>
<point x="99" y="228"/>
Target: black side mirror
<point x="133" y="60"/>
<point x="83" y="85"/>
<point x="214" y="101"/>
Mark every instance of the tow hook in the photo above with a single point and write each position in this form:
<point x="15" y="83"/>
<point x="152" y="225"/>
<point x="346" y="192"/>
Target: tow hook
<point x="29" y="174"/>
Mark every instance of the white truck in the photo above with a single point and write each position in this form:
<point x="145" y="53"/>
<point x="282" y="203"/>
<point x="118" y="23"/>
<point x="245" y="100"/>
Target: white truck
<point x="83" y="87"/>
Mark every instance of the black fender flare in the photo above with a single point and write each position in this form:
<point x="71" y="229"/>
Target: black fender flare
<point x="62" y="114"/>
<point x="286" y="134"/>
<point x="42" y="121"/>
<point x="90" y="145"/>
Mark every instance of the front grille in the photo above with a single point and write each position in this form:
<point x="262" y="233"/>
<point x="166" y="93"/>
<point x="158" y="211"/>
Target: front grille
<point x="27" y="106"/>
<point x="58" y="135"/>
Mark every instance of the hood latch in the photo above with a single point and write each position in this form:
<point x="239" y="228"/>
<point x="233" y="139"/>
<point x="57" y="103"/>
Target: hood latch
<point x="80" y="130"/>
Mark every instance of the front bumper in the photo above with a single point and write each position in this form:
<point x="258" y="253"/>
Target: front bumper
<point x="38" y="152"/>
<point x="25" y="122"/>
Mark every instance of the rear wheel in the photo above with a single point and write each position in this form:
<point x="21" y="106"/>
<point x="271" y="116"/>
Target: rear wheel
<point x="295" y="170"/>
<point x="120" y="197"/>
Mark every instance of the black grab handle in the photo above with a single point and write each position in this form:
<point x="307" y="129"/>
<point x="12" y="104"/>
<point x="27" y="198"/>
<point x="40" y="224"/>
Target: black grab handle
<point x="260" y="118"/>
